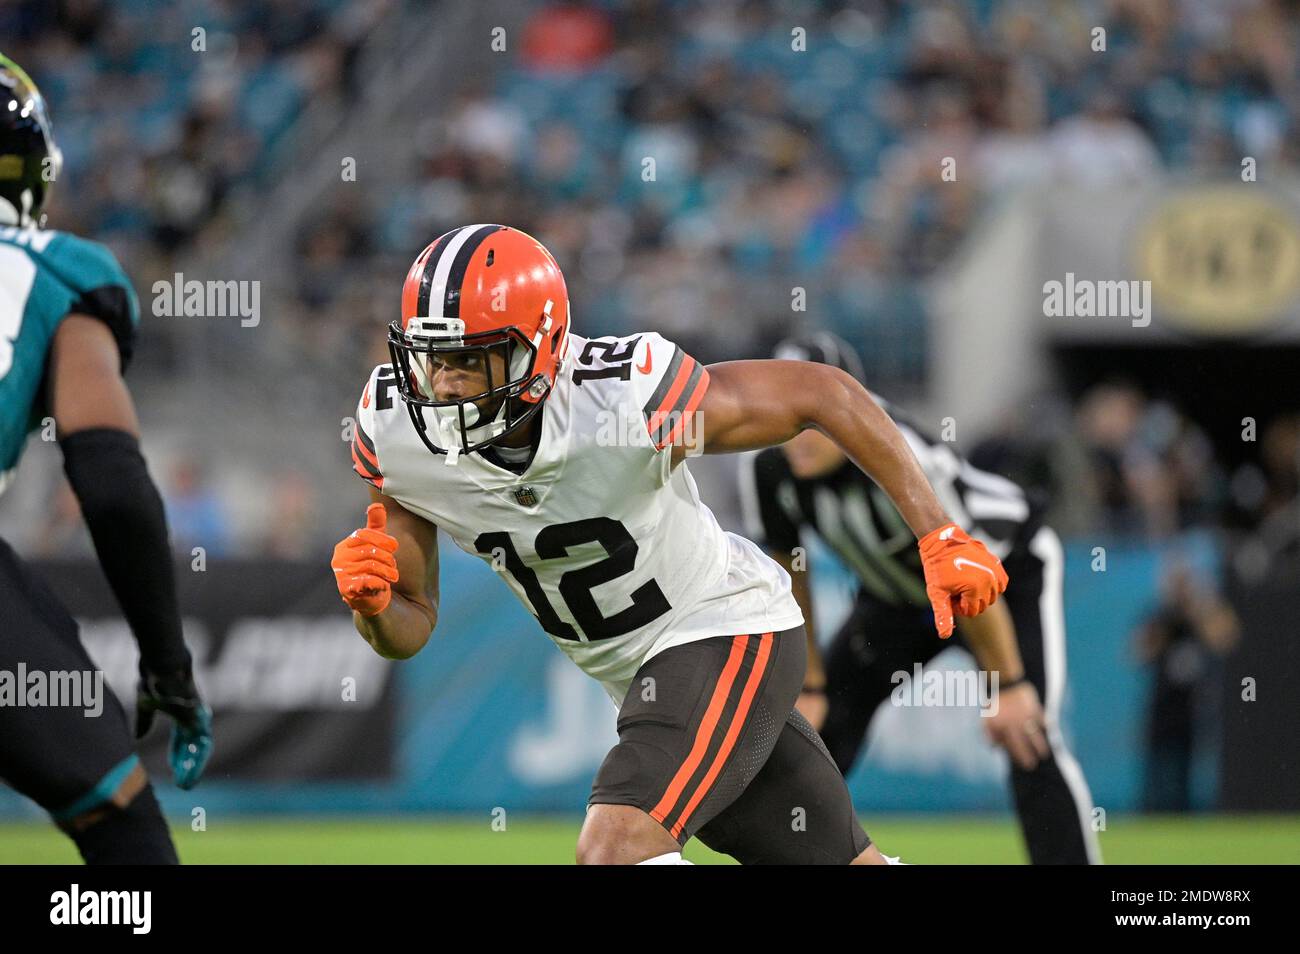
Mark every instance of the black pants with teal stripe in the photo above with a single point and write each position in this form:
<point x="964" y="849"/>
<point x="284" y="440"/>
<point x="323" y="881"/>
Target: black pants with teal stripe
<point x="710" y="745"/>
<point x="64" y="759"/>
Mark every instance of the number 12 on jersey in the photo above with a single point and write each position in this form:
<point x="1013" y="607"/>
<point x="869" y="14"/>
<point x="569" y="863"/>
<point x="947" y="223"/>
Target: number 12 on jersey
<point x="553" y="542"/>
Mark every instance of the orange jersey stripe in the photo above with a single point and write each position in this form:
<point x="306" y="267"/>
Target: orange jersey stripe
<point x="705" y="732"/>
<point x="679" y="383"/>
<point x="363" y="471"/>
<point x="733" y="732"/>
<point x="361" y="446"/>
<point x="691" y="404"/>
<point x="362" y="463"/>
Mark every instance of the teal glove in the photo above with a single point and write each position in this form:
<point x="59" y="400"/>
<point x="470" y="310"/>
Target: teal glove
<point x="175" y="694"/>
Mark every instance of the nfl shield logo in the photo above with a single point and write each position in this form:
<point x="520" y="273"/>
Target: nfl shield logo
<point x="525" y="497"/>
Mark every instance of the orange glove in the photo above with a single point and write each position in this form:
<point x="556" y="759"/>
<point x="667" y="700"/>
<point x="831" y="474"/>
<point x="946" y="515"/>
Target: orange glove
<point x="960" y="574"/>
<point x="364" y="565"/>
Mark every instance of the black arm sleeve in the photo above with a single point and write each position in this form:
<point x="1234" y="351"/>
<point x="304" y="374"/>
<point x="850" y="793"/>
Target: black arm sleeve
<point x="124" y="513"/>
<point x="111" y="305"/>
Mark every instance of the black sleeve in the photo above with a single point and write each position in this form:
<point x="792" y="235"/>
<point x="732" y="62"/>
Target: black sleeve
<point x="111" y="305"/>
<point x="124" y="513"/>
<point x="768" y="523"/>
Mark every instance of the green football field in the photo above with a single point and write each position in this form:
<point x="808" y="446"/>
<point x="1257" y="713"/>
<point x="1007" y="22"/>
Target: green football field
<point x="1256" y="839"/>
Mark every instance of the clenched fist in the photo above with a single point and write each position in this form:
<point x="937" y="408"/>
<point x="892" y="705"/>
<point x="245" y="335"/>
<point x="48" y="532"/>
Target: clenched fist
<point x="960" y="575"/>
<point x="364" y="566"/>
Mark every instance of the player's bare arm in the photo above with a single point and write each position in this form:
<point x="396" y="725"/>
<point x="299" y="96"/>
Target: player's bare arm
<point x="992" y="638"/>
<point x="388" y="573"/>
<point x="86" y="386"/>
<point x="754" y="404"/>
<point x="1017" y="723"/>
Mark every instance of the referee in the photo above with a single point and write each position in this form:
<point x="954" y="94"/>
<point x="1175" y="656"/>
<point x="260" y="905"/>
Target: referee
<point x="808" y="483"/>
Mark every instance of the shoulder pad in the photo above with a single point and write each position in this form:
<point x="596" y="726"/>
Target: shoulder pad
<point x="100" y="287"/>
<point x="378" y="395"/>
<point x="667" y="386"/>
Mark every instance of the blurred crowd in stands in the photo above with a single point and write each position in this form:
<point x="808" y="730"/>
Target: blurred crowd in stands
<point x="1121" y="462"/>
<point x="778" y="162"/>
<point x="163" y="109"/>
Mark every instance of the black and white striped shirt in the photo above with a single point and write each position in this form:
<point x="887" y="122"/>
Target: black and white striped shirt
<point x="859" y="523"/>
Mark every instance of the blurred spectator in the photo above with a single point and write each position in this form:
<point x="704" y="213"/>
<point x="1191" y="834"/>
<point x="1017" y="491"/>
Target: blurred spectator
<point x="1014" y="151"/>
<point x="1149" y="468"/>
<point x="1182" y="641"/>
<point x="1270" y="487"/>
<point x="1101" y="147"/>
<point x="185" y="186"/>
<point x="195" y="512"/>
<point x="293" y="517"/>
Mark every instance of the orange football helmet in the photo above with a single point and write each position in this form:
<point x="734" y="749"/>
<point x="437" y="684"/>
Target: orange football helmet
<point x="475" y="292"/>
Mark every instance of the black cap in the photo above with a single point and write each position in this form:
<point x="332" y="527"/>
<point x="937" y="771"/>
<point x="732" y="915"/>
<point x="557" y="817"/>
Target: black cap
<point x="824" y="348"/>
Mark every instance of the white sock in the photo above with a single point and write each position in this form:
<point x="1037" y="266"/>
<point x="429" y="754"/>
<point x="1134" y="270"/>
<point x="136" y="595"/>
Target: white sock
<point x="671" y="858"/>
<point x="897" y="860"/>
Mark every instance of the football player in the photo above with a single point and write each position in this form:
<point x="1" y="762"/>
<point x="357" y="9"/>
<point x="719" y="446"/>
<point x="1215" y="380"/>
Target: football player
<point x="67" y="320"/>
<point x="560" y="461"/>
<point x="809" y="485"/>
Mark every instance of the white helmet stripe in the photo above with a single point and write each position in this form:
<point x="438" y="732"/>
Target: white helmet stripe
<point x="446" y="259"/>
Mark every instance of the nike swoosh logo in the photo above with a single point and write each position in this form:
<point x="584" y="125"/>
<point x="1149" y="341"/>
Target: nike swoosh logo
<point x="960" y="560"/>
<point x="645" y="368"/>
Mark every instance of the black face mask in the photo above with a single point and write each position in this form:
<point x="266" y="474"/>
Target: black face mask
<point x="477" y="420"/>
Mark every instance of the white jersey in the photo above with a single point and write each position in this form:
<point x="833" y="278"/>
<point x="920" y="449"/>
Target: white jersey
<point x="606" y="543"/>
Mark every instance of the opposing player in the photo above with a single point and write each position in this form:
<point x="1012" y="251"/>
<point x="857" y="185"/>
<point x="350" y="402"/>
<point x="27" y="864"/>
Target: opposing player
<point x="67" y="321"/>
<point x="809" y="485"/>
<point x="560" y="461"/>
